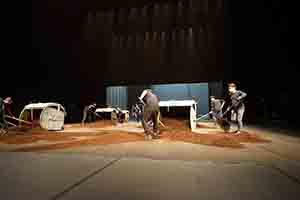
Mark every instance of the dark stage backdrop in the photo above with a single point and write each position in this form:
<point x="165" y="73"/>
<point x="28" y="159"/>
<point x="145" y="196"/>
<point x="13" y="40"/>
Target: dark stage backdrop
<point x="79" y="46"/>
<point x="156" y="42"/>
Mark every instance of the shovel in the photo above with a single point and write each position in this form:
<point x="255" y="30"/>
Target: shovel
<point x="203" y="116"/>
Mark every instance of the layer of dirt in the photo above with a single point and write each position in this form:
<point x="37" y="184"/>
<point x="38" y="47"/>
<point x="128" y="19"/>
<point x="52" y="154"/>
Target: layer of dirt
<point x="177" y="130"/>
<point x="213" y="139"/>
<point x="108" y="138"/>
<point x="98" y="124"/>
<point x="199" y="125"/>
<point x="175" y="124"/>
<point x="34" y="137"/>
<point x="25" y="135"/>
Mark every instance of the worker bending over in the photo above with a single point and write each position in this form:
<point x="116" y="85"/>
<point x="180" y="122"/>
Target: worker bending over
<point x="150" y="113"/>
<point x="89" y="112"/>
<point x="216" y="108"/>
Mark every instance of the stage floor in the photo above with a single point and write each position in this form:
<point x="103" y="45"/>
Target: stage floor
<point x="116" y="162"/>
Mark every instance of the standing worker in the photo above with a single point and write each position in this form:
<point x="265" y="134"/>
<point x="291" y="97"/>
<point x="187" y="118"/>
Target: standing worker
<point x="7" y="106"/>
<point x="150" y="113"/>
<point x="3" y="124"/>
<point x="88" y="112"/>
<point x="237" y="106"/>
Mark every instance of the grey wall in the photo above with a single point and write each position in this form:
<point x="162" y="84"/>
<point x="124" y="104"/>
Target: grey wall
<point x="197" y="91"/>
<point x="117" y="96"/>
<point x="125" y="96"/>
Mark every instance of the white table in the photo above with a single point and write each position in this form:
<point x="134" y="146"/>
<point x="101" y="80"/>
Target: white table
<point x="110" y="110"/>
<point x="183" y="103"/>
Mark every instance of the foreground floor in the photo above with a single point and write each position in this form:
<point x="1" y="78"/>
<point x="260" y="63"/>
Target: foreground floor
<point x="158" y="169"/>
<point x="88" y="176"/>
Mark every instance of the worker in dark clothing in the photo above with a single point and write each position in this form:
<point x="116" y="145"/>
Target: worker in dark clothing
<point x="3" y="124"/>
<point x="88" y="112"/>
<point x="150" y="113"/>
<point x="136" y="112"/>
<point x="216" y="108"/>
<point x="139" y="113"/>
<point x="7" y="106"/>
<point x="237" y="106"/>
<point x="121" y="116"/>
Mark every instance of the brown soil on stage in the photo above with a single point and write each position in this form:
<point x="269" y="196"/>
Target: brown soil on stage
<point x="98" y="124"/>
<point x="108" y="138"/>
<point x="175" y="124"/>
<point x="34" y="137"/>
<point x="182" y="124"/>
<point x="25" y="135"/>
<point x="176" y="130"/>
<point x="203" y="126"/>
<point x="214" y="139"/>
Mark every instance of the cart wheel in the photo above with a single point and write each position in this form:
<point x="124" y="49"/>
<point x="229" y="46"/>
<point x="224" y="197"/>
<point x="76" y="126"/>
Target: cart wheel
<point x="126" y="117"/>
<point x="114" y="118"/>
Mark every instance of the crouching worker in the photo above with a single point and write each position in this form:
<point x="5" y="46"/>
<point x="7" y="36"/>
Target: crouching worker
<point x="150" y="113"/>
<point x="216" y="108"/>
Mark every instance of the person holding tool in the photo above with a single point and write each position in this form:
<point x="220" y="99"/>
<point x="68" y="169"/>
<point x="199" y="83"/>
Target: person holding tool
<point x="237" y="106"/>
<point x="3" y="107"/>
<point x="136" y="112"/>
<point x="88" y="112"/>
<point x="150" y="113"/>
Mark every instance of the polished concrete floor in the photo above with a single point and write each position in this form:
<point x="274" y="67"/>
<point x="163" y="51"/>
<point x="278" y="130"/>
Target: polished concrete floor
<point x="156" y="170"/>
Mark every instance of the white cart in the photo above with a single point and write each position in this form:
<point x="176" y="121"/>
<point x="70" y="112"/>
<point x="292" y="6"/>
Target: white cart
<point x="183" y="103"/>
<point x="112" y="113"/>
<point x="49" y="116"/>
